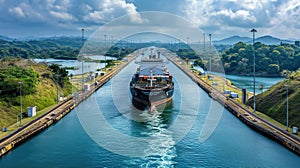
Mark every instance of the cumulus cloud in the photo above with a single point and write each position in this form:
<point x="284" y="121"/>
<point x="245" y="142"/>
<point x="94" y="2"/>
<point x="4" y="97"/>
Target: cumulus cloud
<point x="109" y="9"/>
<point x="288" y="14"/>
<point x="94" y="16"/>
<point x="73" y="12"/>
<point x="25" y="10"/>
<point x="228" y="12"/>
<point x="130" y="10"/>
<point x="237" y="14"/>
<point x="212" y="15"/>
<point x="62" y="15"/>
<point x="197" y="11"/>
<point x="17" y="10"/>
<point x="237" y="18"/>
<point x="240" y="12"/>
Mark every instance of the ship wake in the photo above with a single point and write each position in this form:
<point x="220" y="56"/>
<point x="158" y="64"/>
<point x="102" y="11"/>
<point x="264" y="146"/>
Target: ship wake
<point x="161" y="150"/>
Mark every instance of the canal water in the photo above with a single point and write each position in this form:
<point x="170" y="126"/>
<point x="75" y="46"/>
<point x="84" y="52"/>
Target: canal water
<point x="76" y="142"/>
<point x="246" y="82"/>
<point x="88" y="66"/>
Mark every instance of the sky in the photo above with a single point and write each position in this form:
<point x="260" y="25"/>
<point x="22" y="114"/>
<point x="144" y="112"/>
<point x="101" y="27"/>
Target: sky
<point x="221" y="18"/>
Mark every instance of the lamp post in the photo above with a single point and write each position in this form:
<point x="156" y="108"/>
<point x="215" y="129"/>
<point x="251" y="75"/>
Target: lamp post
<point x="254" y="105"/>
<point x="210" y="53"/>
<point x="82" y="61"/>
<point x="287" y="107"/>
<point x="57" y="76"/>
<point x="204" y="49"/>
<point x="203" y="44"/>
<point x="105" y="53"/>
<point x="20" y="103"/>
<point x="187" y="42"/>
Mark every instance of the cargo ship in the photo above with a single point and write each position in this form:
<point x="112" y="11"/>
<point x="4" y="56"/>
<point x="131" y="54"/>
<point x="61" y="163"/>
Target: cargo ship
<point x="152" y="84"/>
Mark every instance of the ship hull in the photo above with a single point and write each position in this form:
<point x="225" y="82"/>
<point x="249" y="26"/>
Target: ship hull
<point x="154" y="97"/>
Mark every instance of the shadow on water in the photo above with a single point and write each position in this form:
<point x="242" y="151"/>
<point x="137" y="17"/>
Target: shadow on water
<point x="161" y="150"/>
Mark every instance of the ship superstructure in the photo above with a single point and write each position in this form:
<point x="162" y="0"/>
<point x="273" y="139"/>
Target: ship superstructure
<point x="152" y="84"/>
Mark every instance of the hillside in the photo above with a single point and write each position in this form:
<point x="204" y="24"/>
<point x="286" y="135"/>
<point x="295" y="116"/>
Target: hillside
<point x="5" y="38"/>
<point x="63" y="47"/>
<point x="271" y="60"/>
<point x="273" y="101"/>
<point x="38" y="88"/>
<point x="269" y="40"/>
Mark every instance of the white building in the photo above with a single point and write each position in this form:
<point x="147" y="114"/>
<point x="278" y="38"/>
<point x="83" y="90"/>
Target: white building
<point x="234" y="95"/>
<point x="86" y="87"/>
<point x="31" y="111"/>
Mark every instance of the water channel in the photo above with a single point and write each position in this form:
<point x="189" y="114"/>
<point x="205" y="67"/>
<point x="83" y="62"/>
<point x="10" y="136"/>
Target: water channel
<point x="232" y="144"/>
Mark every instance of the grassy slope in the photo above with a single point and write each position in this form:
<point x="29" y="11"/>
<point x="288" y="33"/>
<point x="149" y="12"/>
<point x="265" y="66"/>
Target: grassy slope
<point x="273" y="101"/>
<point x="43" y="97"/>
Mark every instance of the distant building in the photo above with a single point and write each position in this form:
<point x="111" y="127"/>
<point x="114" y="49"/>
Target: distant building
<point x="234" y="95"/>
<point x="31" y="111"/>
<point x="215" y="83"/>
<point x="86" y="87"/>
<point x="227" y="91"/>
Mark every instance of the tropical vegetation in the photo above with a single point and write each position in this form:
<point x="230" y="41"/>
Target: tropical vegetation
<point x="38" y="87"/>
<point x="271" y="60"/>
<point x="273" y="102"/>
<point x="62" y="48"/>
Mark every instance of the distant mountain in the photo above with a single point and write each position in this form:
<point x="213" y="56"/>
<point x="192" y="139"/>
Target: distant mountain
<point x="6" y="38"/>
<point x="269" y="40"/>
<point x="27" y="38"/>
<point x="232" y="40"/>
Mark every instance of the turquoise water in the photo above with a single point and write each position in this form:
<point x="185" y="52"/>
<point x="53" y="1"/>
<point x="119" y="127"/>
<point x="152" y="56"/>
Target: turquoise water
<point x="247" y="82"/>
<point x="88" y="66"/>
<point x="67" y="144"/>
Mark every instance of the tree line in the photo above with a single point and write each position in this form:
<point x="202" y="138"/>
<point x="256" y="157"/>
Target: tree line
<point x="59" y="48"/>
<point x="270" y="59"/>
<point x="66" y="48"/>
<point x="13" y="71"/>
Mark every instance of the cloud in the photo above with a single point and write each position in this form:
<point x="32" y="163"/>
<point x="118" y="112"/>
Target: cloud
<point x="236" y="14"/>
<point x="215" y="16"/>
<point x="196" y="12"/>
<point x="228" y="12"/>
<point x="288" y="14"/>
<point x="237" y="18"/>
<point x="62" y="15"/>
<point x="109" y="9"/>
<point x="95" y="17"/>
<point x="130" y="10"/>
<point x="90" y="12"/>
<point x="17" y="11"/>
<point x="25" y="10"/>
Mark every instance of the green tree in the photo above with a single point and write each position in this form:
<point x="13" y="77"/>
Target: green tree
<point x="63" y="74"/>
<point x="12" y="75"/>
<point x="199" y="62"/>
<point x="273" y="69"/>
<point x="275" y="56"/>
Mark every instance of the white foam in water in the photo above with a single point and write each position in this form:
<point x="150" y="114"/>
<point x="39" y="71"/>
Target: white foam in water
<point x="161" y="147"/>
